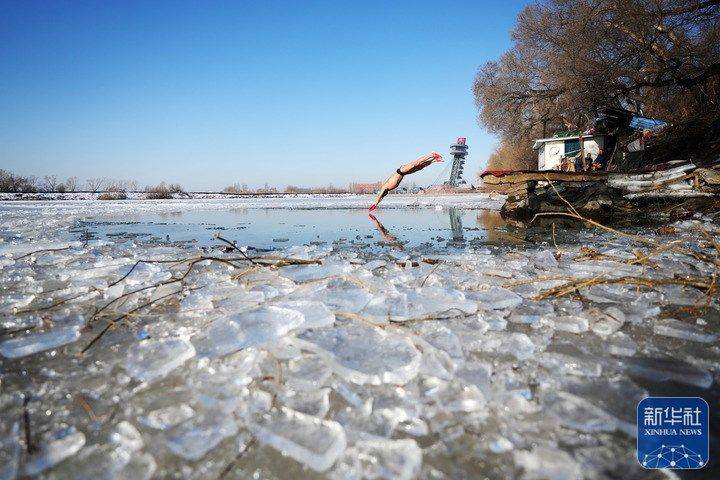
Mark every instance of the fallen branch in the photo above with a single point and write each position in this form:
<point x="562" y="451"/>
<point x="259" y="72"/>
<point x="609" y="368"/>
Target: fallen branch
<point x="697" y="255"/>
<point x="114" y="322"/>
<point x="58" y="303"/>
<point x="230" y="466"/>
<point x="574" y="285"/>
<point x="44" y="250"/>
<point x="235" y="247"/>
<point x="86" y="406"/>
<point x="428" y="275"/>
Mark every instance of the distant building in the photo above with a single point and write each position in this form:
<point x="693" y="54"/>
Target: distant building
<point x="552" y="150"/>
<point x="365" y="187"/>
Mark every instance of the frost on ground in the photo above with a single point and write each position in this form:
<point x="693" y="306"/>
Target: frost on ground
<point x="498" y="362"/>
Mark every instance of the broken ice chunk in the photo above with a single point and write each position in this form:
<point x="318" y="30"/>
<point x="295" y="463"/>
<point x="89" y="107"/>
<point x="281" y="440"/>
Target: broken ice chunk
<point x="608" y="293"/>
<point x="55" y="452"/>
<point x="661" y="370"/>
<point x="373" y="264"/>
<point x="681" y="295"/>
<point x="16" y="323"/>
<point x="595" y="405"/>
<point x="165" y="290"/>
<point x="141" y="466"/>
<point x="38" y="342"/>
<point x="578" y="413"/>
<point x="500" y="445"/>
<point x="671" y="327"/>
<point x="519" y="346"/>
<point x="440" y="301"/>
<point x="247" y="329"/>
<point x="304" y="273"/>
<point x="478" y="374"/>
<point x="545" y="260"/>
<point x="352" y="397"/>
<point x="313" y="442"/>
<point x="127" y="437"/>
<point x="570" y="364"/>
<point x="10" y="453"/>
<point x="339" y="295"/>
<point x="164" y="418"/>
<point x="606" y="324"/>
<point x="307" y="373"/>
<point x="409" y="303"/>
<point x="316" y="314"/>
<point x="150" y="360"/>
<point x="548" y="463"/>
<point x="463" y="399"/>
<point x="365" y="354"/>
<point x="532" y="313"/>
<point x="621" y="345"/>
<point x="386" y="459"/>
<point x="196" y="437"/>
<point x="12" y="301"/>
<point x="441" y="337"/>
<point x="496" y="298"/>
<point x="571" y="323"/>
<point x="314" y="402"/>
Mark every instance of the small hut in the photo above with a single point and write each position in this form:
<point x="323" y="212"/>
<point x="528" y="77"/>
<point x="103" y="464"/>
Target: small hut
<point x="552" y="151"/>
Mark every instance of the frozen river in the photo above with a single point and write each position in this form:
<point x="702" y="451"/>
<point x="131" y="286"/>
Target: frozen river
<point x="434" y="340"/>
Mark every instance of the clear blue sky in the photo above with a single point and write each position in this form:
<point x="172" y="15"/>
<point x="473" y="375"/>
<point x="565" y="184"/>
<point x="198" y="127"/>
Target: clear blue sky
<point x="209" y="93"/>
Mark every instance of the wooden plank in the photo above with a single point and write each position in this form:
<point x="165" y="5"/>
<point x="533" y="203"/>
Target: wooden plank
<point x="554" y="176"/>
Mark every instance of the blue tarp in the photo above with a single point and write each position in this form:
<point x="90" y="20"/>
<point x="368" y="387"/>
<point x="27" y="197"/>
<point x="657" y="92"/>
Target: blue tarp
<point x="645" y="123"/>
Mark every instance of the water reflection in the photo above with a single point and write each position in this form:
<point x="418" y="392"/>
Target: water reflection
<point x="499" y="230"/>
<point x="456" y="224"/>
<point x="489" y="221"/>
<point x="387" y="237"/>
<point x="273" y="228"/>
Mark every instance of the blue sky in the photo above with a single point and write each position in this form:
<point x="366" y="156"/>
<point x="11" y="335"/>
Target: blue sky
<point x="210" y="93"/>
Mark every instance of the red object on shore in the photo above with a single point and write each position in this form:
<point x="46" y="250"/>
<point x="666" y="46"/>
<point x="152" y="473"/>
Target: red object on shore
<point x="497" y="173"/>
<point x="373" y="207"/>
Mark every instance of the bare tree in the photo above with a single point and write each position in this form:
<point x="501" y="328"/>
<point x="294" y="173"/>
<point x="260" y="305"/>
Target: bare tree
<point x="163" y="191"/>
<point x="71" y="184"/>
<point x="94" y="185"/>
<point x="49" y="183"/>
<point x="234" y="188"/>
<point x="9" y="182"/>
<point x="571" y="57"/>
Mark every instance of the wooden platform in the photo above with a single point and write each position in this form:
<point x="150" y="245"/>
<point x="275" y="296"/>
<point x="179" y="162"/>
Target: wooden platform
<point x="538" y="176"/>
<point x="601" y="193"/>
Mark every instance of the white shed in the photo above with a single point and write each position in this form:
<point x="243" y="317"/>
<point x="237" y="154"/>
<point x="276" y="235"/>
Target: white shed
<point x="552" y="150"/>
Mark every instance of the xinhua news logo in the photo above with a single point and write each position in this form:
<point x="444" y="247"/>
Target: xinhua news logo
<point x="672" y="432"/>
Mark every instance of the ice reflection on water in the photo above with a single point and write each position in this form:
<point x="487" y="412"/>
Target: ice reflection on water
<point x="273" y="228"/>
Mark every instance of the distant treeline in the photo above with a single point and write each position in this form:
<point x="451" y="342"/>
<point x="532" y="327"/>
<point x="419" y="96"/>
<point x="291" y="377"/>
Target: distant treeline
<point x="267" y="189"/>
<point x="13" y="183"/>
<point x="108" y="189"/>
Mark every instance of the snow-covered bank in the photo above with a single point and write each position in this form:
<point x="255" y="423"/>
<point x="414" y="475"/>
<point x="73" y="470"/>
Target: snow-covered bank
<point x="79" y="206"/>
<point x="348" y="200"/>
<point x="339" y="363"/>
